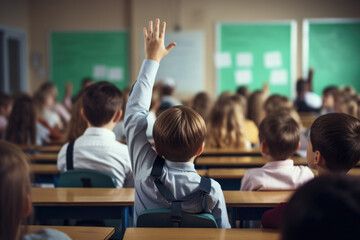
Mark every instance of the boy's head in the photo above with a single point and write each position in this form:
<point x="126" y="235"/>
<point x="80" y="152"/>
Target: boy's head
<point x="85" y="82"/>
<point x="279" y="136"/>
<point x="6" y="103"/>
<point x="101" y="102"/>
<point x="334" y="143"/>
<point x="277" y="102"/>
<point x="327" y="207"/>
<point x="179" y="133"/>
<point x="329" y="96"/>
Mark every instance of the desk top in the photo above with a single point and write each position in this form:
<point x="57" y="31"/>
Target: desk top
<point x="240" y="161"/>
<point x="231" y="151"/>
<point x="226" y="173"/>
<point x="256" y="198"/>
<point x="83" y="196"/>
<point x="49" y="149"/>
<point x="42" y="157"/>
<point x="46" y="169"/>
<point x="199" y="233"/>
<point x="80" y="233"/>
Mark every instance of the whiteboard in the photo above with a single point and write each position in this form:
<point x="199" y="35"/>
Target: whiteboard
<point x="185" y="62"/>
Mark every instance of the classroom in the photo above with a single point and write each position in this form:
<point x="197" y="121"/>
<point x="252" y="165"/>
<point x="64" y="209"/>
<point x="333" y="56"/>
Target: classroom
<point x="173" y="119"/>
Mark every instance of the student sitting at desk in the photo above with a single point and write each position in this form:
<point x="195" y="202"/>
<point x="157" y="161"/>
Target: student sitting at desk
<point x="334" y="147"/>
<point x="97" y="148"/>
<point x="179" y="134"/>
<point x="329" y="209"/>
<point x="279" y="140"/>
<point x="15" y="197"/>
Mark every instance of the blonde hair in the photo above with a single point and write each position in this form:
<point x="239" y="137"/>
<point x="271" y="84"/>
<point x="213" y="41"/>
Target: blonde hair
<point x="14" y="188"/>
<point x="77" y="125"/>
<point x="178" y="133"/>
<point x="347" y="104"/>
<point x="255" y="107"/>
<point x="226" y="124"/>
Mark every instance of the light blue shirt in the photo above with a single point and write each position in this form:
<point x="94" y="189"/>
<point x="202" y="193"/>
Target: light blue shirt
<point x="180" y="178"/>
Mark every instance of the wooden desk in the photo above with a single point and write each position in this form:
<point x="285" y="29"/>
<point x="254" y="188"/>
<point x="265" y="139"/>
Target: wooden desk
<point x="251" y="205"/>
<point x="44" y="169"/>
<point x="49" y="149"/>
<point x="246" y="199"/>
<point x="83" y="203"/>
<point x="231" y="152"/>
<point x="199" y="233"/>
<point x="83" y="196"/>
<point x="43" y="157"/>
<point x="226" y="173"/>
<point x="239" y="161"/>
<point x="80" y="233"/>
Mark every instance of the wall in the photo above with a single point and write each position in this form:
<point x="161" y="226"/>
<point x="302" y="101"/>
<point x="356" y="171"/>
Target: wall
<point x="203" y="15"/>
<point x="78" y="15"/>
<point x="40" y="17"/>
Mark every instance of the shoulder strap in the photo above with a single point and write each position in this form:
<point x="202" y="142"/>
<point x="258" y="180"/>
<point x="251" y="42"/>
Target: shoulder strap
<point x="176" y="210"/>
<point x="70" y="156"/>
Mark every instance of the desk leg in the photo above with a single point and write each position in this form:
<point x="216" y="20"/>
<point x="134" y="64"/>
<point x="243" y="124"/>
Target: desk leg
<point x="124" y="219"/>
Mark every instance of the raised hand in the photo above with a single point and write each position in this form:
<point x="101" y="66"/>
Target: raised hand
<point x="154" y="41"/>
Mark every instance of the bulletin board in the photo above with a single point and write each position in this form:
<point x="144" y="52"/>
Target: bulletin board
<point x="99" y="55"/>
<point x="332" y="48"/>
<point x="250" y="54"/>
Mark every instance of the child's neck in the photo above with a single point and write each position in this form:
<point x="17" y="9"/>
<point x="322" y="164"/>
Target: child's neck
<point x="110" y="126"/>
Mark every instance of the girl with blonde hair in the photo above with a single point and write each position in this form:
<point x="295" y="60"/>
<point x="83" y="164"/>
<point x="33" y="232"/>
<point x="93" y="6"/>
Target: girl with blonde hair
<point x="226" y="125"/>
<point x="15" y="196"/>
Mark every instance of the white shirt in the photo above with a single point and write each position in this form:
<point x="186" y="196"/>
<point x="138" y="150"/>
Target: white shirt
<point x="98" y="149"/>
<point x="51" y="117"/>
<point x="180" y="178"/>
<point x="276" y="175"/>
<point x="119" y="128"/>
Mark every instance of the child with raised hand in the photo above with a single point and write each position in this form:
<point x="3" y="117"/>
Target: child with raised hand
<point x="15" y="197"/>
<point x="179" y="134"/>
<point x="279" y="136"/>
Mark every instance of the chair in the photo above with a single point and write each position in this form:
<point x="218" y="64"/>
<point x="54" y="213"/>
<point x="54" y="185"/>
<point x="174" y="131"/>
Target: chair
<point x="161" y="218"/>
<point x="86" y="178"/>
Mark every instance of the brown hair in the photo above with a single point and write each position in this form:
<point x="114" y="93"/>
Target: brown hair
<point x="101" y="101"/>
<point x="178" y="133"/>
<point x="21" y="128"/>
<point x="5" y="100"/>
<point x="77" y="125"/>
<point x="277" y="102"/>
<point x="337" y="137"/>
<point x="281" y="134"/>
<point x="202" y="104"/>
<point x="14" y="187"/>
<point x="226" y="124"/>
<point x="255" y="107"/>
<point x="45" y="90"/>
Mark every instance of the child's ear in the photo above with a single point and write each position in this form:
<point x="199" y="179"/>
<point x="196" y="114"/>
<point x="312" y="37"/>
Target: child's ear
<point x="200" y="150"/>
<point x="298" y="147"/>
<point x="156" y="149"/>
<point x="117" y="116"/>
<point x="264" y="148"/>
<point x="83" y="114"/>
<point x="27" y="207"/>
<point x="319" y="159"/>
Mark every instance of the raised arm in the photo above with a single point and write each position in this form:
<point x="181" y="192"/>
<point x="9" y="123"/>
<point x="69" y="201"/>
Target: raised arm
<point x="138" y="104"/>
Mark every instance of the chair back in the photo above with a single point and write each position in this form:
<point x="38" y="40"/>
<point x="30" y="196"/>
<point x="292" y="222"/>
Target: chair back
<point x="161" y="218"/>
<point x="86" y="178"/>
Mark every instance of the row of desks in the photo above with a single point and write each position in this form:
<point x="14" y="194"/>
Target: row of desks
<point x="104" y="233"/>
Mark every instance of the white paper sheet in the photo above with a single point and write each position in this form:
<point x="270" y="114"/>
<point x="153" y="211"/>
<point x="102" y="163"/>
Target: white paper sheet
<point x="244" y="60"/>
<point x="222" y="60"/>
<point x="243" y="77"/>
<point x="99" y="71"/>
<point x="272" y="59"/>
<point x="279" y="77"/>
<point x="116" y="74"/>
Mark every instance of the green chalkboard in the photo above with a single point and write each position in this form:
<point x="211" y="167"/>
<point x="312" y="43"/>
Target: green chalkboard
<point x="253" y="53"/>
<point x="332" y="48"/>
<point x="99" y="55"/>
